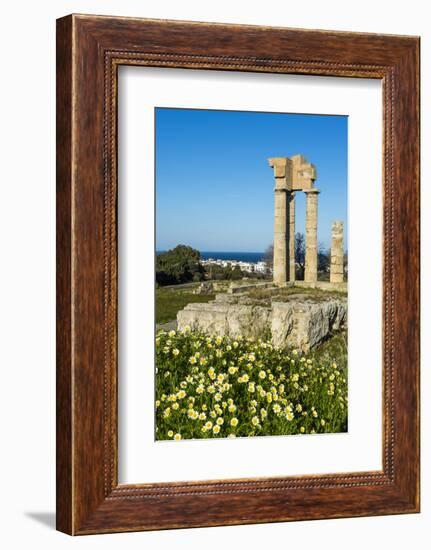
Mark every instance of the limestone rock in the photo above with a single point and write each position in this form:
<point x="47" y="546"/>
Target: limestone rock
<point x="299" y="323"/>
<point x="225" y="319"/>
<point x="206" y="287"/>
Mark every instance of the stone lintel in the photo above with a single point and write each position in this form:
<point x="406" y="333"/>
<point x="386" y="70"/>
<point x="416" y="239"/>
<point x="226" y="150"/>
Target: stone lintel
<point x="282" y="167"/>
<point x="303" y="173"/>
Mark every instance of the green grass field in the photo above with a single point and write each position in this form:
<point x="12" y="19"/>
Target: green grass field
<point x="170" y="300"/>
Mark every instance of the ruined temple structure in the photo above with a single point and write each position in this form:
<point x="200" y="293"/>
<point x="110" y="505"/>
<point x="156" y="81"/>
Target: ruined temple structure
<point x="298" y="320"/>
<point x="292" y="175"/>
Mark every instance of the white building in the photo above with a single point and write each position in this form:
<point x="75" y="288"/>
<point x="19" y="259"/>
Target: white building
<point x="247" y="267"/>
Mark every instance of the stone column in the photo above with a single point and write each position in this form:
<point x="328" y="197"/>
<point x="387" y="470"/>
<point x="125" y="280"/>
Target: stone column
<point x="282" y="167"/>
<point x="281" y="235"/>
<point x="311" y="236"/>
<point x="337" y="253"/>
<point x="292" y="263"/>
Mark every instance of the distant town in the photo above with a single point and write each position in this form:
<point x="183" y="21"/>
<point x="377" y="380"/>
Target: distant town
<point x="184" y="264"/>
<point x="248" y="267"/>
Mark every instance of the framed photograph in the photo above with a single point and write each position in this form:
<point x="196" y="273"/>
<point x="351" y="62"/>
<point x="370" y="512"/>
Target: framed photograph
<point x="237" y="274"/>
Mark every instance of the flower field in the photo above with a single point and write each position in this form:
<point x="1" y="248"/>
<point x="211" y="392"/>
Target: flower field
<point x="210" y="387"/>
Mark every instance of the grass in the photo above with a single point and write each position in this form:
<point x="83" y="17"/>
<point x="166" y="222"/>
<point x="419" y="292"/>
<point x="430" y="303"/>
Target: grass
<point x="335" y="348"/>
<point x="170" y="300"/>
<point x="221" y="387"/>
<point x="283" y="294"/>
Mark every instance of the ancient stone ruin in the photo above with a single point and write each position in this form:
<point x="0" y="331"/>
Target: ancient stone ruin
<point x="292" y="175"/>
<point x="337" y="253"/>
<point x="297" y="321"/>
<point x="292" y="319"/>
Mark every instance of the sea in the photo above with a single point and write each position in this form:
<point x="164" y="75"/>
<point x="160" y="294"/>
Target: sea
<point x="252" y="257"/>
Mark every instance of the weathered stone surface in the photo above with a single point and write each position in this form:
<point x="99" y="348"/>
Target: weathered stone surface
<point x="210" y="317"/>
<point x="303" y="173"/>
<point x="248" y="321"/>
<point x="292" y="262"/>
<point x="229" y="298"/>
<point x="207" y="287"/>
<point x="240" y="288"/>
<point x="293" y="174"/>
<point x="282" y="167"/>
<point x="225" y="319"/>
<point x="310" y="274"/>
<point x="281" y="235"/>
<point x="297" y="174"/>
<point x="323" y="285"/>
<point x="301" y="323"/>
<point x="337" y="253"/>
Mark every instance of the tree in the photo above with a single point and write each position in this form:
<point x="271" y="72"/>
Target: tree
<point x="268" y="257"/>
<point x="215" y="272"/>
<point x="236" y="273"/>
<point x="179" y="265"/>
<point x="300" y="255"/>
<point x="323" y="258"/>
<point x="232" y="273"/>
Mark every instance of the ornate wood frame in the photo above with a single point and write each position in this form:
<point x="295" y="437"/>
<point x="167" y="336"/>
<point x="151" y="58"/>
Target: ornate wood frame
<point x="89" y="51"/>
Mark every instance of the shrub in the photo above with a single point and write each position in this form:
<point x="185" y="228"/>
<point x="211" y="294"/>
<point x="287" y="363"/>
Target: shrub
<point x="179" y="265"/>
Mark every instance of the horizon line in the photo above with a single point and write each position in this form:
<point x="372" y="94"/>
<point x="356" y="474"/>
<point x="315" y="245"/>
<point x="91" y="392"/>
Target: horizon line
<point x="227" y="251"/>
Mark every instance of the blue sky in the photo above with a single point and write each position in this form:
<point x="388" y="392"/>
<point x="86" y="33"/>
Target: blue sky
<point x="214" y="187"/>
